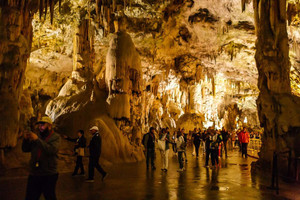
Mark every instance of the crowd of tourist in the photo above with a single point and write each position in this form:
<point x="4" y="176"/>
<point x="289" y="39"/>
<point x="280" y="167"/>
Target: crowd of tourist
<point x="214" y="144"/>
<point x="43" y="146"/>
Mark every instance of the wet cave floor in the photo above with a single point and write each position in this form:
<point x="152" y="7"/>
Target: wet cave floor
<point x="233" y="180"/>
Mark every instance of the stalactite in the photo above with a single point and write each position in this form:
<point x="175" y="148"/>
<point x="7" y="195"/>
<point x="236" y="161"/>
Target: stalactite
<point x="51" y="2"/>
<point x="243" y="5"/>
<point x="46" y="7"/>
<point x="59" y="5"/>
<point x="41" y="8"/>
<point x="106" y="10"/>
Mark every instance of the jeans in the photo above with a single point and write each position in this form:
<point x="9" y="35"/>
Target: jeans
<point x="225" y="148"/>
<point x="180" y="159"/>
<point x="94" y="163"/>
<point x="79" y="164"/>
<point x="214" y="156"/>
<point x="150" y="154"/>
<point x="244" y="149"/>
<point x="38" y="185"/>
<point x="208" y="152"/>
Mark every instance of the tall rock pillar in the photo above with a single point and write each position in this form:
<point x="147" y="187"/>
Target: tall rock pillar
<point x="278" y="109"/>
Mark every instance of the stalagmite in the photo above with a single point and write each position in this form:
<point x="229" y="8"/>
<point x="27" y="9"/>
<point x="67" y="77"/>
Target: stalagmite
<point x="123" y="73"/>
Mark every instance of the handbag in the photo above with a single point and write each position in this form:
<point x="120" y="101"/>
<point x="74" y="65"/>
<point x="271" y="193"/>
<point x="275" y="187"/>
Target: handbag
<point x="162" y="143"/>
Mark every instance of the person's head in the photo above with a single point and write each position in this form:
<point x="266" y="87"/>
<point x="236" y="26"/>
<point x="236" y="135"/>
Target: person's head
<point x="80" y="133"/>
<point x="152" y="130"/>
<point x="244" y="129"/>
<point x="163" y="130"/>
<point x="223" y="129"/>
<point x="167" y="129"/>
<point x="94" y="130"/>
<point x="45" y="125"/>
<point x="195" y="129"/>
<point x="179" y="134"/>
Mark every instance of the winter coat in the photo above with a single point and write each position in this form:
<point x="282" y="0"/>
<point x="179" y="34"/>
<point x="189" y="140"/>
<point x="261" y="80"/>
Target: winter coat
<point x="95" y="146"/>
<point x="245" y="137"/>
<point x="46" y="163"/>
<point x="146" y="141"/>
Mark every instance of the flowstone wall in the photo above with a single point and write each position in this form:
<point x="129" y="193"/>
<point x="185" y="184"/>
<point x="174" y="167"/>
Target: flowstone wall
<point x="278" y="108"/>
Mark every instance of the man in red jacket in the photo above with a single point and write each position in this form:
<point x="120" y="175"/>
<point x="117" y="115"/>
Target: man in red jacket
<point x="245" y="138"/>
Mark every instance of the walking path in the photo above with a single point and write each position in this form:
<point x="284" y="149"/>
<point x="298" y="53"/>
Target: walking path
<point x="233" y="180"/>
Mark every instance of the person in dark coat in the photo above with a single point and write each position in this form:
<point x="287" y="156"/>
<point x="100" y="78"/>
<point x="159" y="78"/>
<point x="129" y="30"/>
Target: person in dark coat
<point x="95" y="152"/>
<point x="225" y="137"/>
<point x="43" y="147"/>
<point x="196" y="137"/>
<point x="80" y="144"/>
<point x="149" y="143"/>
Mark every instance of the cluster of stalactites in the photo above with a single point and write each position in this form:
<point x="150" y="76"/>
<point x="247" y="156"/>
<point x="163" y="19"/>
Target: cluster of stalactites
<point x="244" y="2"/>
<point x="43" y="7"/>
<point x="106" y="9"/>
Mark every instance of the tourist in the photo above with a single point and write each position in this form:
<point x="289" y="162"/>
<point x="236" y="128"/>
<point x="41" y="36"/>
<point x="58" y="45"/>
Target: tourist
<point x="208" y="141"/>
<point x="225" y="137"/>
<point x="149" y="143"/>
<point x="95" y="153"/>
<point x="181" y="146"/>
<point x="245" y="138"/>
<point x="165" y="136"/>
<point x="174" y="143"/>
<point x="186" y="142"/>
<point x="214" y="139"/>
<point x="240" y="140"/>
<point x="203" y="137"/>
<point x="232" y="139"/>
<point x="80" y="144"/>
<point x="196" y="137"/>
<point x="43" y="173"/>
<point x="192" y="133"/>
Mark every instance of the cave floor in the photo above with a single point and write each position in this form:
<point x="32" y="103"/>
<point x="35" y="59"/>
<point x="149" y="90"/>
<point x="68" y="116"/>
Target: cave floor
<point x="233" y="180"/>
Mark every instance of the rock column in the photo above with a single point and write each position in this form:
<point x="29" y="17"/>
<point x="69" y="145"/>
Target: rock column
<point x="278" y="109"/>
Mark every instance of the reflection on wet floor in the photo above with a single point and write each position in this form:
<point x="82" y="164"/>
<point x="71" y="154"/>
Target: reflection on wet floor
<point x="233" y="180"/>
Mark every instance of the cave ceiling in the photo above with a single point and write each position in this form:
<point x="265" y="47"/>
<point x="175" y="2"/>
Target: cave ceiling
<point x="180" y="43"/>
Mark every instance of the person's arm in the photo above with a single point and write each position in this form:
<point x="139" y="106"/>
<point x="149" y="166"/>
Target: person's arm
<point x="50" y="147"/>
<point x="71" y="139"/>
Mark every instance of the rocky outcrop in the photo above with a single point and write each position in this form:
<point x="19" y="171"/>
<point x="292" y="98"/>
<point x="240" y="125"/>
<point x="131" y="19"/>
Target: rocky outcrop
<point x="15" y="48"/>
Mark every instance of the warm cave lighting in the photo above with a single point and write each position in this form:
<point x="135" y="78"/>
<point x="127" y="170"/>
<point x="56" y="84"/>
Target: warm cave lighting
<point x="123" y="82"/>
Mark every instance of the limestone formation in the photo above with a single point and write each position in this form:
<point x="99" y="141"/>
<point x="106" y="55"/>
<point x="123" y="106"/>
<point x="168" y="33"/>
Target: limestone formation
<point x="278" y="109"/>
<point x="15" y="48"/>
<point x="129" y="65"/>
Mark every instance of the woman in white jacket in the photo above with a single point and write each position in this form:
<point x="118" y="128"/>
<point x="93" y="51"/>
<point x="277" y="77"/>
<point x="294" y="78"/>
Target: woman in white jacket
<point x="165" y="137"/>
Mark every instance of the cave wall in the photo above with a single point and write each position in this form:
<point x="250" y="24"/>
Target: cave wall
<point x="278" y="108"/>
<point x="15" y="47"/>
